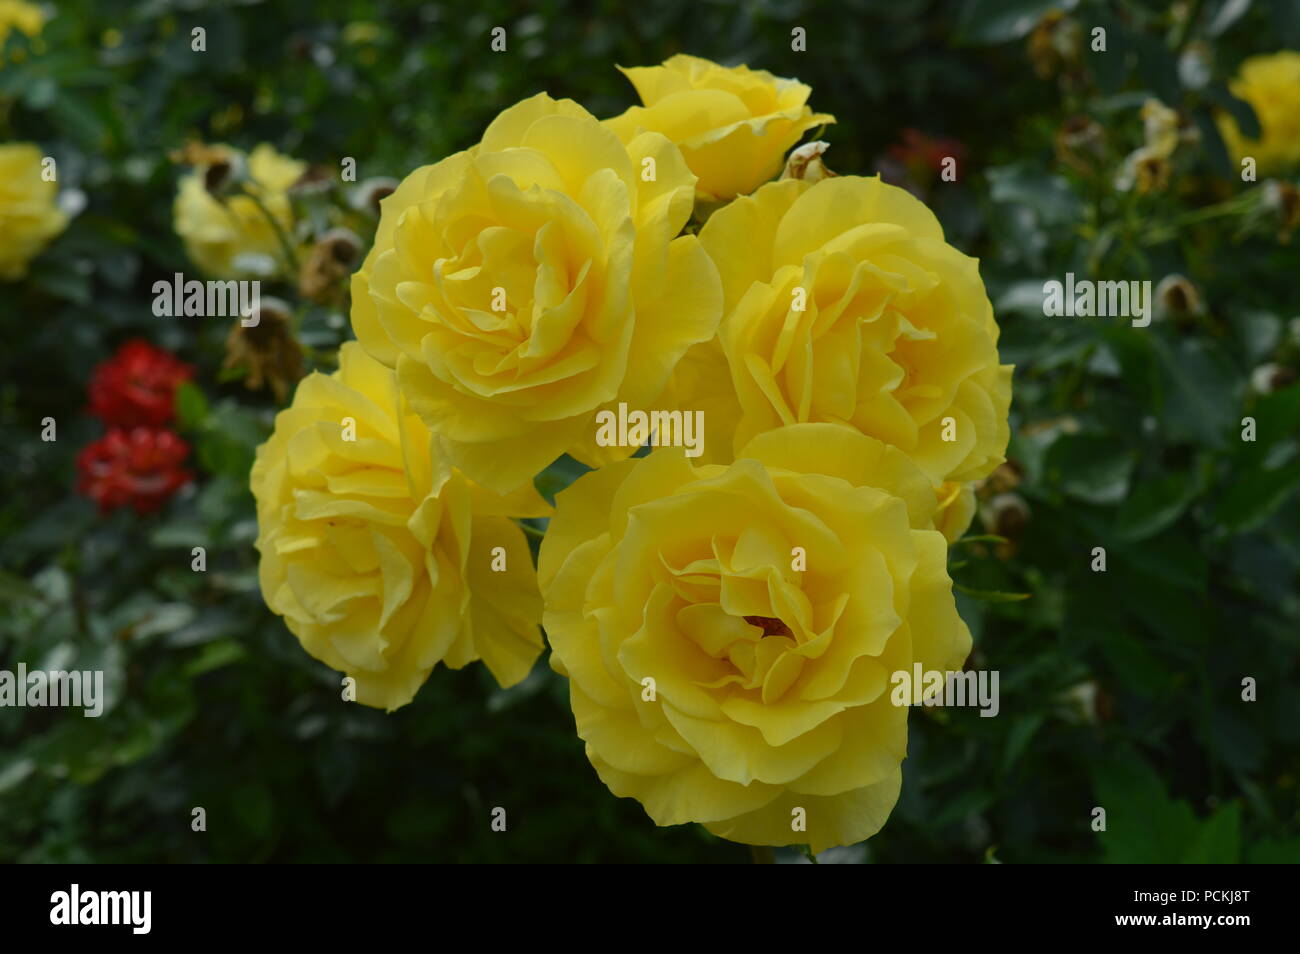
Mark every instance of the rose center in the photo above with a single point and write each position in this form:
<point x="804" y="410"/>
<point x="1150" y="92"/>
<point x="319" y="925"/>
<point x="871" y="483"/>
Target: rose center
<point x="770" y="625"/>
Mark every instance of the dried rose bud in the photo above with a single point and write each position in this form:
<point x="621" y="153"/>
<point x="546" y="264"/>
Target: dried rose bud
<point x="1003" y="480"/>
<point x="1178" y="297"/>
<point x="223" y="170"/>
<point x="369" y="193"/>
<point x="1079" y="703"/>
<point x="265" y="345"/>
<point x="1145" y="169"/>
<point x="806" y="163"/>
<point x="1005" y="515"/>
<point x="332" y="258"/>
<point x="1054" y="44"/>
<point x="315" y="180"/>
<point x="1268" y="378"/>
<point x="1283" y="198"/>
<point x="1080" y="143"/>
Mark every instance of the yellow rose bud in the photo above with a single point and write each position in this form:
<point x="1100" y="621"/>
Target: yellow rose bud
<point x="844" y="304"/>
<point x="730" y="633"/>
<point x="533" y="280"/>
<point x="230" y="236"/>
<point x="381" y="558"/>
<point x="1271" y="84"/>
<point x="29" y="215"/>
<point x="734" y="125"/>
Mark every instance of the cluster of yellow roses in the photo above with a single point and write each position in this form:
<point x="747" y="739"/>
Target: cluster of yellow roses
<point x="728" y="624"/>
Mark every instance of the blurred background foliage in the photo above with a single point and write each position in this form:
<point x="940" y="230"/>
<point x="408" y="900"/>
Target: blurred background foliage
<point x="1120" y="689"/>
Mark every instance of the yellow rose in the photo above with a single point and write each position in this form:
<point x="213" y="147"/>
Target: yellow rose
<point x="29" y="215"/>
<point x="231" y="237"/>
<point x="533" y="280"/>
<point x="1271" y="84"/>
<point x="379" y="556"/>
<point x="17" y="15"/>
<point x="730" y="632"/>
<point x="734" y="125"/>
<point x="955" y="509"/>
<point x="843" y="303"/>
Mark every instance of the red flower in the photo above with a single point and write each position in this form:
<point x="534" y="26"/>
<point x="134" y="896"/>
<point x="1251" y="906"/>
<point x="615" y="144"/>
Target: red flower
<point x="137" y="386"/>
<point x="140" y="467"/>
<point x="924" y="155"/>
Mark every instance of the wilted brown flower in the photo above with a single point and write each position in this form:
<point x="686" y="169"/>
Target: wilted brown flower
<point x="197" y="153"/>
<point x="331" y="260"/>
<point x="1080" y="143"/>
<point x="1003" y="480"/>
<point x="1087" y="703"/>
<point x="1178" y="297"/>
<point x="1055" y="44"/>
<point x="1283" y="198"/>
<point x="1268" y="378"/>
<point x="267" y="348"/>
<point x="1005" y="515"/>
<point x="369" y="193"/>
<point x="223" y="169"/>
<point x="314" y="180"/>
<point x="806" y="163"/>
<point x="1150" y="168"/>
<point x="1146" y="170"/>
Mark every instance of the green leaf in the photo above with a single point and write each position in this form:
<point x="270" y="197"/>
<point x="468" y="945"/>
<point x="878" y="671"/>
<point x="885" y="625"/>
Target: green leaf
<point x="1216" y="153"/>
<point x="214" y="655"/>
<point x="1154" y="505"/>
<point x="1145" y="826"/>
<point x="981" y="538"/>
<point x="1256" y="495"/>
<point x="997" y="21"/>
<point x="1240" y="110"/>
<point x="1203" y="399"/>
<point x="1049" y="196"/>
<point x="1275" y="852"/>
<point x="1090" y="467"/>
<point x="191" y="406"/>
<point x="991" y="596"/>
<point x="1022" y="730"/>
<point x="971" y="801"/>
<point x="254" y="807"/>
<point x="1229" y="12"/>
